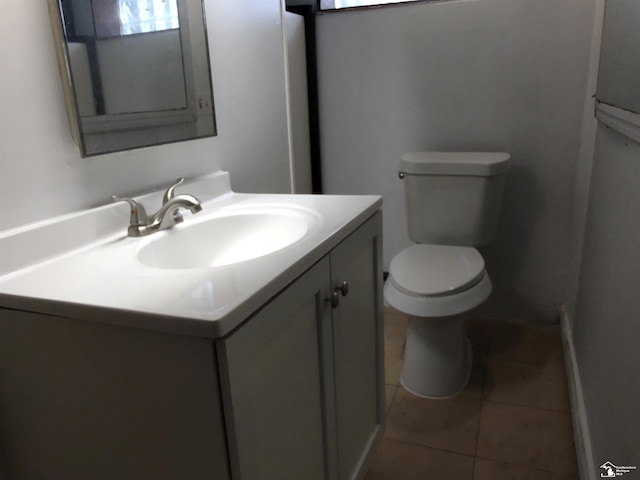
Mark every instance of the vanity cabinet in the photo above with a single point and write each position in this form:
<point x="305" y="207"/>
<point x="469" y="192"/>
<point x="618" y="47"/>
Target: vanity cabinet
<point x="82" y="400"/>
<point x="295" y="391"/>
<point x="302" y="380"/>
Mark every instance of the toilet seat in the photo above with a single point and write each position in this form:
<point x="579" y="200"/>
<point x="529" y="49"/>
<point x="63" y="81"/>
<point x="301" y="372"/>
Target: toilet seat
<point x="437" y="280"/>
<point x="434" y="270"/>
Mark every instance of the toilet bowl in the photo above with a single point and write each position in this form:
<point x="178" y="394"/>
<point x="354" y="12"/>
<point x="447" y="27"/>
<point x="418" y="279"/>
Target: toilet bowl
<point x="434" y="285"/>
<point x="453" y="202"/>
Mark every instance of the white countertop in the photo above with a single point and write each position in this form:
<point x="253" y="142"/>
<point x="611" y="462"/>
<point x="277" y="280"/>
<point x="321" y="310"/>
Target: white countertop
<point x="94" y="278"/>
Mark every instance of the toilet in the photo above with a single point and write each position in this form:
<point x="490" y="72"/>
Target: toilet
<point x="453" y="202"/>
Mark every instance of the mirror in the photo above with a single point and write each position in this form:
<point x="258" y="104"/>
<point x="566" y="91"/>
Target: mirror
<point x="619" y="73"/>
<point x="136" y="72"/>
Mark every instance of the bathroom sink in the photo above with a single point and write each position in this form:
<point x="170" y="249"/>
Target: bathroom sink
<point x="226" y="239"/>
<point x="201" y="277"/>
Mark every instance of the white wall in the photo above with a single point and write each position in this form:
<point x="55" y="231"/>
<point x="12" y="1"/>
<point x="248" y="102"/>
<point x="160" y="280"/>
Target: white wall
<point x="478" y="75"/>
<point x="602" y="307"/>
<point x="606" y="331"/>
<point x="582" y="181"/>
<point x="42" y="173"/>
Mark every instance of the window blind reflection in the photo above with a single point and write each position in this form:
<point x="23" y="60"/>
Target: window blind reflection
<point x="143" y="16"/>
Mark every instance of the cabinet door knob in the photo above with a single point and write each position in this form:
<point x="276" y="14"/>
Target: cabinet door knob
<point x="343" y="289"/>
<point x="334" y="300"/>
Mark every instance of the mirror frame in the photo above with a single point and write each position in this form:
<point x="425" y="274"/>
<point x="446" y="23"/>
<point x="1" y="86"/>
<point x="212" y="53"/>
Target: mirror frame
<point x="73" y="112"/>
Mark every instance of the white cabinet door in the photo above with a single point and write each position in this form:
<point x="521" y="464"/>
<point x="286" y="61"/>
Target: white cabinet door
<point x="274" y="384"/>
<point x="302" y="382"/>
<point x="358" y="346"/>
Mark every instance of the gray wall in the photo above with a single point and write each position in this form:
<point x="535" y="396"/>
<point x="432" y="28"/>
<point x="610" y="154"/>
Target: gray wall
<point x="42" y="174"/>
<point x="483" y="75"/>
<point x="606" y="332"/>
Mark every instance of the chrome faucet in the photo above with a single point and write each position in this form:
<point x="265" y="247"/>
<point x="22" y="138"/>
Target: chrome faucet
<point x="141" y="224"/>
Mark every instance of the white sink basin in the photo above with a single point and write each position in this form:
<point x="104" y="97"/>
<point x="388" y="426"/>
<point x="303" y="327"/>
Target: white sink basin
<point x="226" y="239"/>
<point x="202" y="277"/>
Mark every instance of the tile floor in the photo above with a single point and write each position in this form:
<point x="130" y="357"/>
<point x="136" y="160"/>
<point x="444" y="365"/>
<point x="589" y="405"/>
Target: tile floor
<point x="512" y="422"/>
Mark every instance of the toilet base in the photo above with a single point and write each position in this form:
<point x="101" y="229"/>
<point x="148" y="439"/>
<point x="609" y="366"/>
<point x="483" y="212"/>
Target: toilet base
<point x="438" y="357"/>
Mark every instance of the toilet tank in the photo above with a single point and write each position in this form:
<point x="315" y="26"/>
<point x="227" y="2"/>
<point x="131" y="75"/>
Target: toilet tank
<point x="453" y="198"/>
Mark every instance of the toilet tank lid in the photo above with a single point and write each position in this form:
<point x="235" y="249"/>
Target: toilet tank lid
<point x="455" y="163"/>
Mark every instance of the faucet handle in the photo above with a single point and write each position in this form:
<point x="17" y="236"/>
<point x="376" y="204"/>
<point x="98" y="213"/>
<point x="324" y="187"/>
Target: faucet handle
<point x="138" y="213"/>
<point x="170" y="193"/>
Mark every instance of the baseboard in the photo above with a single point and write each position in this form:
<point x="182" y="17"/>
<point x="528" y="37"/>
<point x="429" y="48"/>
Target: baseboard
<point x="586" y="467"/>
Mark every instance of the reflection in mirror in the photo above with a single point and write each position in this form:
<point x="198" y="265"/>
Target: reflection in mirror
<point x="136" y="72"/>
<point x="619" y="73"/>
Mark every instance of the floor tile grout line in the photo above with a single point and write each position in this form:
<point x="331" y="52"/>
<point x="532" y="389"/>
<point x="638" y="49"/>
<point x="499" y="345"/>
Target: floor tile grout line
<point x="413" y="444"/>
<point x="530" y="467"/>
<point x="502" y="402"/>
<point x="473" y="467"/>
<point x="471" y="395"/>
<point x="393" y="399"/>
<point x="493" y="358"/>
<point x="482" y="395"/>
